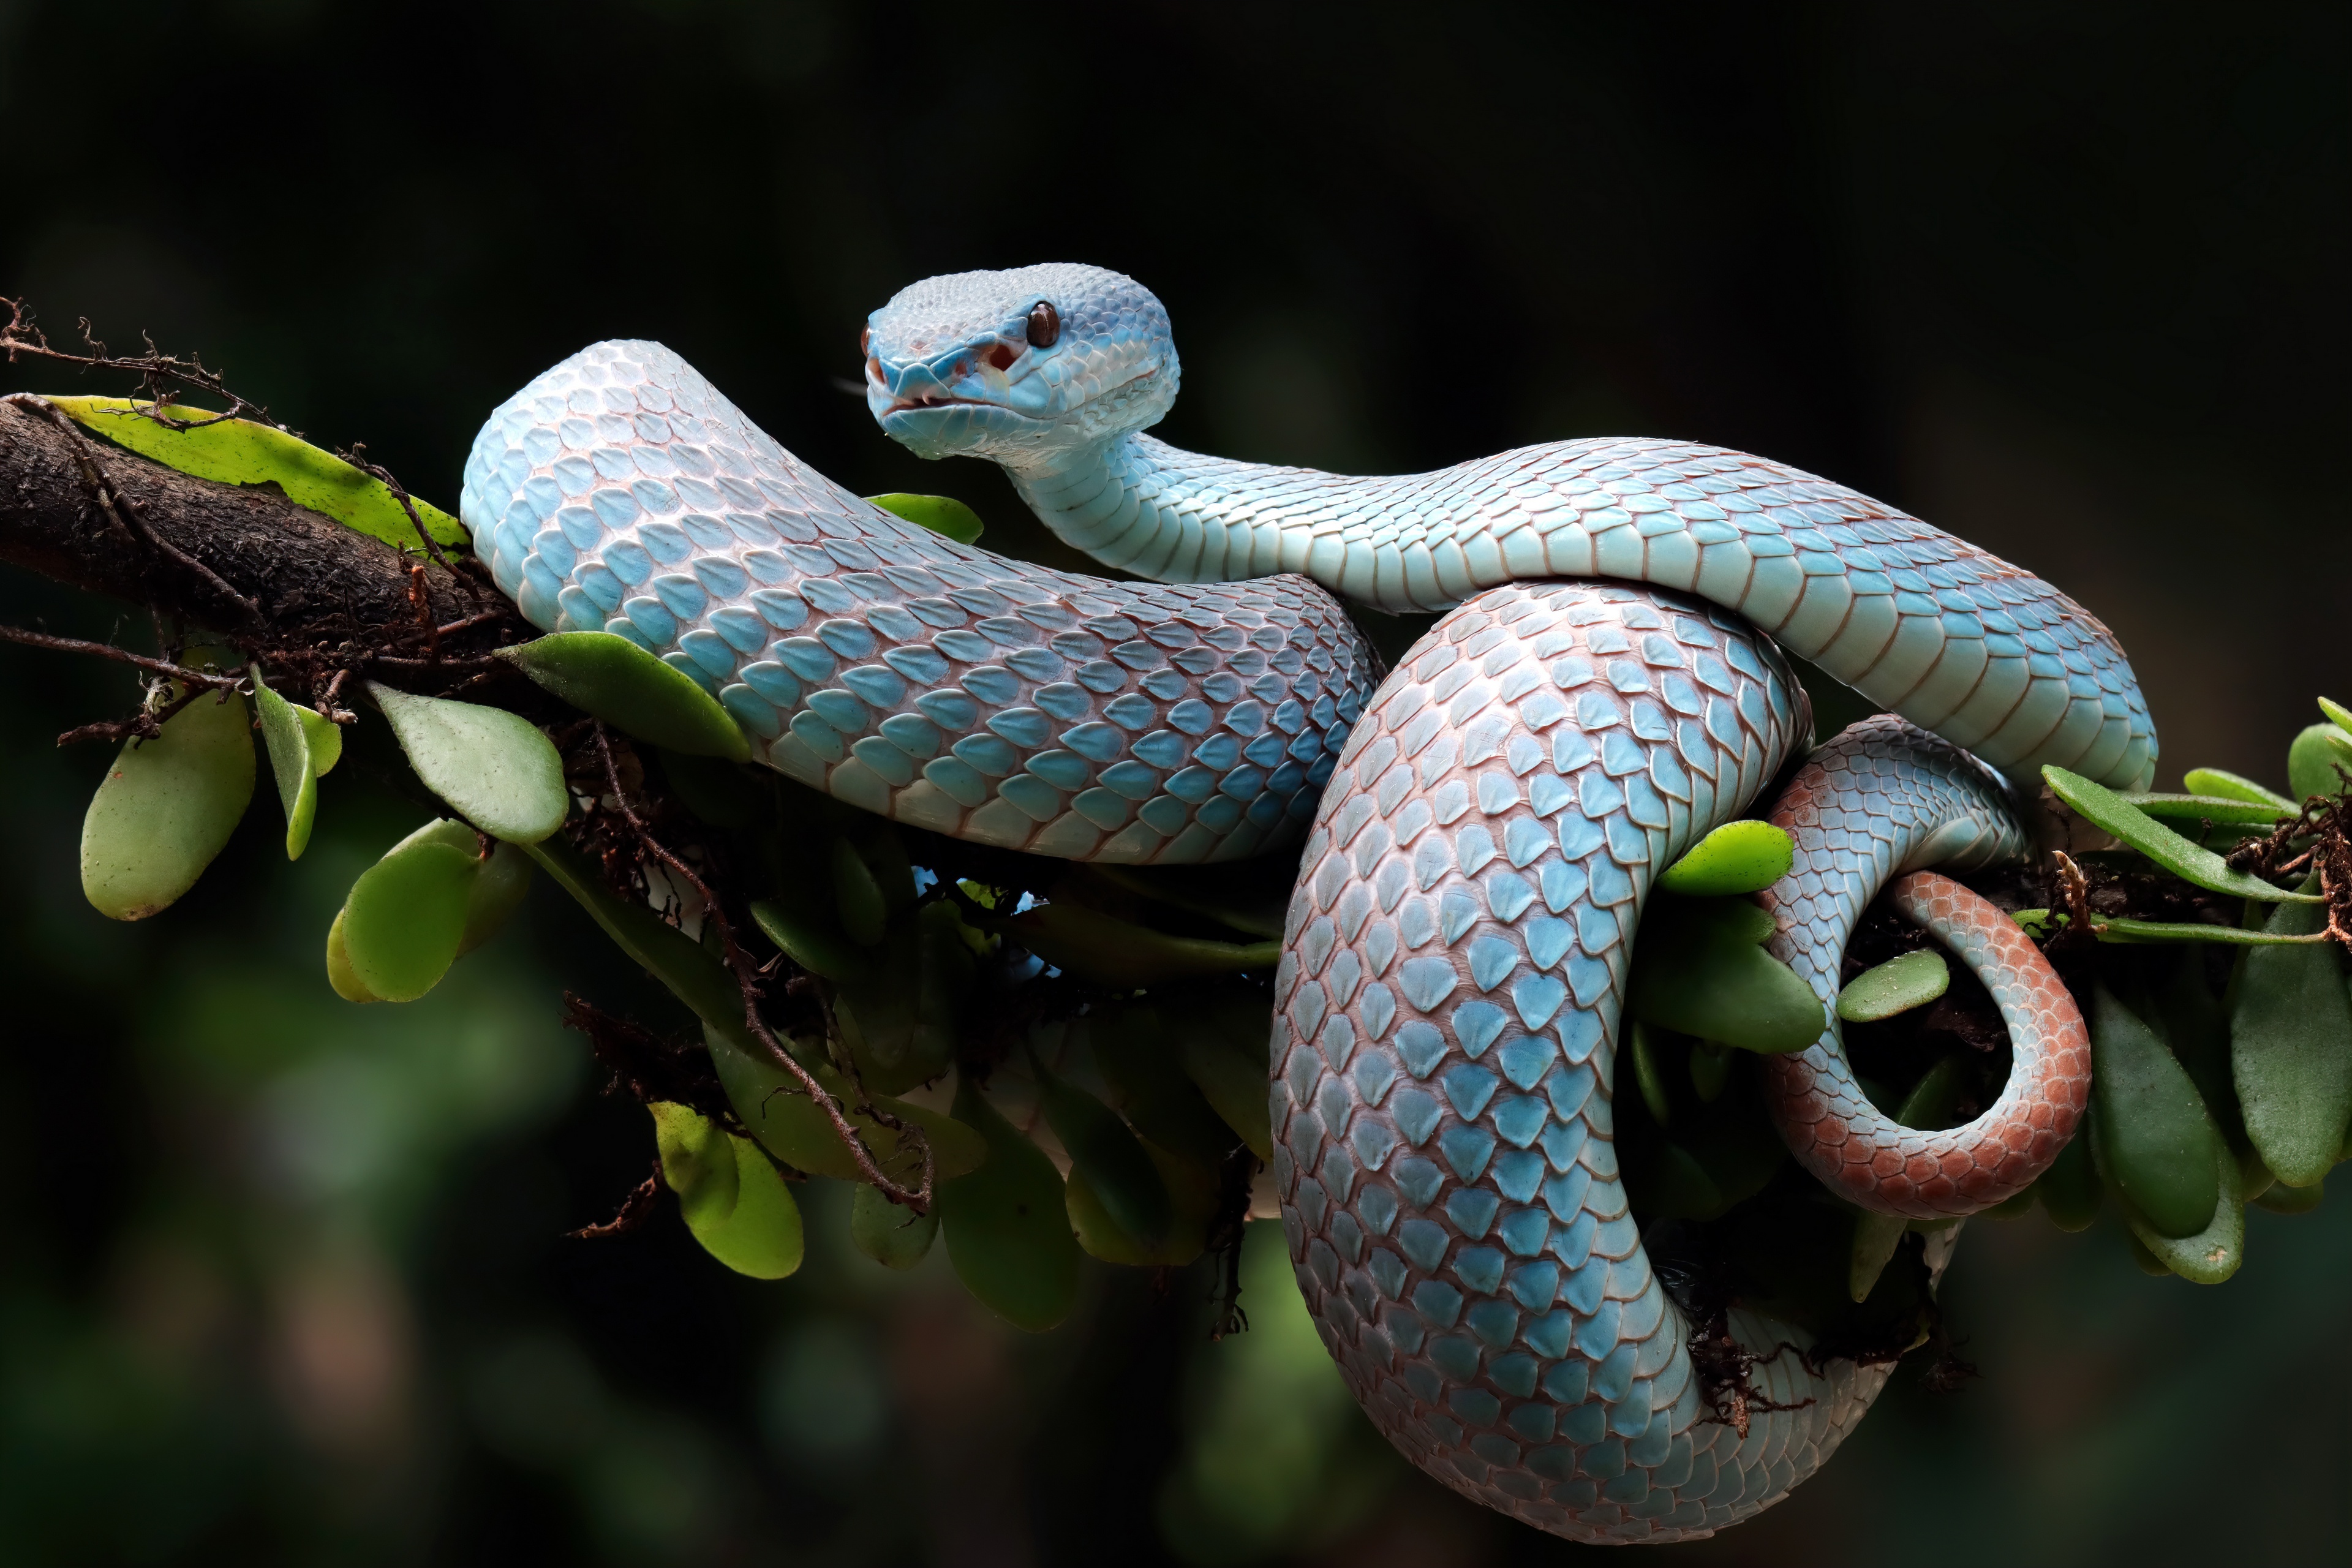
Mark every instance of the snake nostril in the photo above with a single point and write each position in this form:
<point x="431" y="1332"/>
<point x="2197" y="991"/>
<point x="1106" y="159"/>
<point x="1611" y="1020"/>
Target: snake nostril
<point x="1001" y="355"/>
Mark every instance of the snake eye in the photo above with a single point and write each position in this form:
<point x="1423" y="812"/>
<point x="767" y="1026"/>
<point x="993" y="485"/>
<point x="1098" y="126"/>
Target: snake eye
<point x="864" y="342"/>
<point x="1045" y="325"/>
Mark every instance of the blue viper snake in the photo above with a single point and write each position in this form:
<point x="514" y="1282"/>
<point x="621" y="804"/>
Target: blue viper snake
<point x="1481" y="826"/>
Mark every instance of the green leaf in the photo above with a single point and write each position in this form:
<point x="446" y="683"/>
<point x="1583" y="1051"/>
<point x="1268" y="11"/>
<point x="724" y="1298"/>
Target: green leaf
<point x="2071" y="1191"/>
<point x="406" y="917"/>
<point x="1743" y="856"/>
<point x="609" y="676"/>
<point x="1650" y="1073"/>
<point x="1698" y="970"/>
<point x="2291" y="1050"/>
<point x="498" y="890"/>
<point x="2339" y="715"/>
<point x="1008" y="1227"/>
<point x="1112" y="952"/>
<point x="856" y="896"/>
<point x="1897" y="985"/>
<point x="1225" y="1047"/>
<point x="2108" y="811"/>
<point x="2213" y="808"/>
<point x="1251" y="896"/>
<point x="1710" y="1069"/>
<point x="2313" y="760"/>
<point x="2155" y="1140"/>
<point x="1105" y="1149"/>
<point x="2214" y="1253"/>
<point x="940" y="514"/>
<point x="732" y="1199"/>
<point x="1140" y="1048"/>
<point x="338" y="965"/>
<point x="722" y="794"/>
<point x="1668" y="1181"/>
<point x="166" y="807"/>
<point x="326" y="739"/>
<point x="900" y="1018"/>
<point x="240" y="452"/>
<point x="1193" y="1202"/>
<point x="2280" y="1198"/>
<point x="893" y="1235"/>
<point x="290" y="764"/>
<point x="495" y="767"/>
<point x="2212" y="781"/>
<point x="692" y="974"/>
<point x="795" y="1128"/>
<point x="809" y="940"/>
<point x="2122" y="929"/>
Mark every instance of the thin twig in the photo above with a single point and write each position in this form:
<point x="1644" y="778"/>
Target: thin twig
<point x="356" y="457"/>
<point x="918" y="1198"/>
<point x="120" y="655"/>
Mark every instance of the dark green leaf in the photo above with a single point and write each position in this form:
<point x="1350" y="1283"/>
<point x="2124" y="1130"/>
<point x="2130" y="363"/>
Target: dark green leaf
<point x="892" y="1234"/>
<point x="1106" y="1150"/>
<point x="2108" y="811"/>
<point x="1698" y="970"/>
<point x="1112" y="952"/>
<point x="2155" y="1140"/>
<point x="1007" y="1226"/>
<point x="2291" y="1049"/>
<point x="609" y="676"/>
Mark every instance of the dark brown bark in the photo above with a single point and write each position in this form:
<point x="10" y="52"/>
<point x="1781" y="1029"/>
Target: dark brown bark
<point x="301" y="572"/>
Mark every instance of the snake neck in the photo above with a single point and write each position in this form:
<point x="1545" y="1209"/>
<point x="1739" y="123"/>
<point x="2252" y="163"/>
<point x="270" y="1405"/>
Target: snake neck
<point x="1136" y="503"/>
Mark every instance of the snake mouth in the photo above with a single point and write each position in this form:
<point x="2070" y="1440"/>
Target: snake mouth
<point x="935" y="400"/>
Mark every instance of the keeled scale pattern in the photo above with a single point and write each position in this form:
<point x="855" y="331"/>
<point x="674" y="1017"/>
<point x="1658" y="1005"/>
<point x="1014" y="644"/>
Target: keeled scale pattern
<point x="1881" y="797"/>
<point x="1447" y="1020"/>
<point x="931" y="682"/>
<point x="1928" y="626"/>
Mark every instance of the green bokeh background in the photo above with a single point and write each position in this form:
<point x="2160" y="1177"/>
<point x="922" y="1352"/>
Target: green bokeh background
<point x="282" y="1280"/>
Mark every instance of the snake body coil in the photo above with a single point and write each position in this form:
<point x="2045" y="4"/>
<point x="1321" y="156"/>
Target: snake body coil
<point x="1481" y="829"/>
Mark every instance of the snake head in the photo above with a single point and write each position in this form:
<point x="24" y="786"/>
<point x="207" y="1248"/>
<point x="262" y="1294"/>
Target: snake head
<point x="1021" y="367"/>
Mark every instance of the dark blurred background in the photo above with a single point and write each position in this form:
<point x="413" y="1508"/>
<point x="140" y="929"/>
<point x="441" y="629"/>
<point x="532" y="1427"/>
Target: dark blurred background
<point x="281" y="1279"/>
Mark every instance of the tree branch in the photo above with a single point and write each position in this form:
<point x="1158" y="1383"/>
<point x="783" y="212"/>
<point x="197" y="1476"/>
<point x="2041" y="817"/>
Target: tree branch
<point x="301" y="572"/>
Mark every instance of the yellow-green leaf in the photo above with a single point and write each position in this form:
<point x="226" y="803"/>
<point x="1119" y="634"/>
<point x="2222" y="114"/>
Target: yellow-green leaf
<point x="288" y="741"/>
<point x="733" y="1200"/>
<point x="940" y="514"/>
<point x="326" y="738"/>
<point x="240" y="452"/>
<point x="406" y="917"/>
<point x="1743" y="856"/>
<point x="166" y="807"/>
